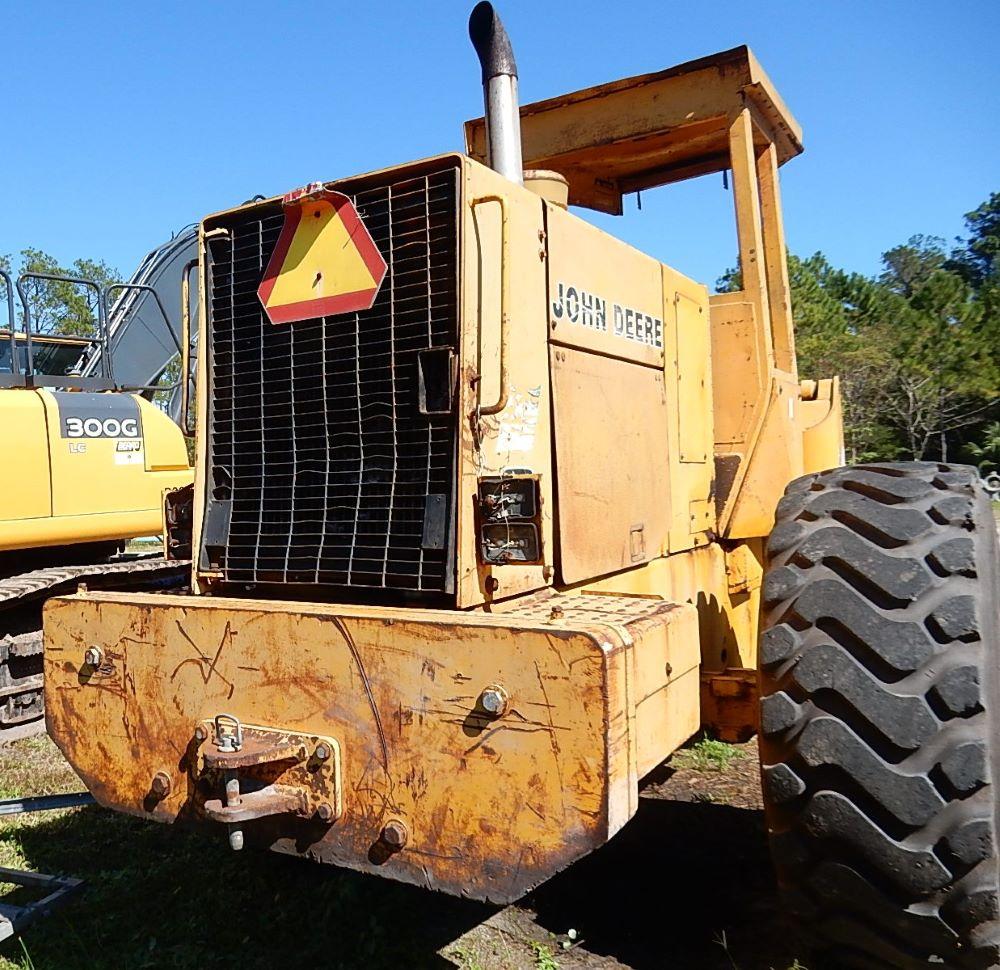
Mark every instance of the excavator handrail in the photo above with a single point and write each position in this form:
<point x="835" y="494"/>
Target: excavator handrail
<point x="15" y="364"/>
<point x="101" y="339"/>
<point x="185" y="417"/>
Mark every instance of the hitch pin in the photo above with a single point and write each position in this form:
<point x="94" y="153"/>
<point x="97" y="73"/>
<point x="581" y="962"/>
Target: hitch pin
<point x="229" y="738"/>
<point x="233" y="800"/>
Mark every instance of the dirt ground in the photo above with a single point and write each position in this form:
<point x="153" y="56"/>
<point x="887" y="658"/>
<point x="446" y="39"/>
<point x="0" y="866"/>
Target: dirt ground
<point x="686" y="884"/>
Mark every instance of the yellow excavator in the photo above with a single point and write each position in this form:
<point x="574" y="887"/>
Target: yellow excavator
<point x="87" y="466"/>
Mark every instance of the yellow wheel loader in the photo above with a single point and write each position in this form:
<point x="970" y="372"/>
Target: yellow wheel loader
<point x="481" y="515"/>
<point x="88" y="467"/>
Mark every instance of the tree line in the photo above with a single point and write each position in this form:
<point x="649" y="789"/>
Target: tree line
<point x="58" y="307"/>
<point x="917" y="346"/>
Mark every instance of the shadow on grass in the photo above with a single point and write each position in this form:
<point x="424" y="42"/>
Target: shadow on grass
<point x="661" y="894"/>
<point x="161" y="897"/>
<point x="664" y="891"/>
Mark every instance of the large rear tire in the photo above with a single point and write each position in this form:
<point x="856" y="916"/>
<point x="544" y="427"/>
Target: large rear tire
<point x="880" y="699"/>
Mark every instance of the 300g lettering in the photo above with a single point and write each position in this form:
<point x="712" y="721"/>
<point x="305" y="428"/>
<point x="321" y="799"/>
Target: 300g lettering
<point x="98" y="428"/>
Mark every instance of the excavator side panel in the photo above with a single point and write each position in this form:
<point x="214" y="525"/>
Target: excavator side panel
<point x="24" y="445"/>
<point x="91" y="467"/>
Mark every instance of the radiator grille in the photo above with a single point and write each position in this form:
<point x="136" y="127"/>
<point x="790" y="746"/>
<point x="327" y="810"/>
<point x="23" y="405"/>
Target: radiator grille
<point x="323" y="470"/>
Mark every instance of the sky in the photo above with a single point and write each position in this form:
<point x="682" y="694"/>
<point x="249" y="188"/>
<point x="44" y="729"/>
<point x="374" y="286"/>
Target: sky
<point x="125" y="121"/>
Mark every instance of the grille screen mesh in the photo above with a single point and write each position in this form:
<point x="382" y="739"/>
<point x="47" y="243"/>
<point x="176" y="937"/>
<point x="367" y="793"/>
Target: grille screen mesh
<point x="323" y="470"/>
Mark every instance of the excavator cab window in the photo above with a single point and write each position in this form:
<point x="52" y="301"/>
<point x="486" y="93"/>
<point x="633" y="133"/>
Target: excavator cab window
<point x="51" y="355"/>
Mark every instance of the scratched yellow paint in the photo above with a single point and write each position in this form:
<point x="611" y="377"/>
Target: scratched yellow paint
<point x="555" y="776"/>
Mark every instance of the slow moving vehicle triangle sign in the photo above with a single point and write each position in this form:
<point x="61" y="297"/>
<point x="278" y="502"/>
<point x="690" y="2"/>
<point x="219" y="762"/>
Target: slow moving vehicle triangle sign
<point x="325" y="261"/>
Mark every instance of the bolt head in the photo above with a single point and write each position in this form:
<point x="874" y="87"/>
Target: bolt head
<point x="93" y="656"/>
<point x="325" y="812"/>
<point x="394" y="834"/>
<point x="323" y="752"/>
<point x="200" y="733"/>
<point x="160" y="785"/>
<point x="494" y="701"/>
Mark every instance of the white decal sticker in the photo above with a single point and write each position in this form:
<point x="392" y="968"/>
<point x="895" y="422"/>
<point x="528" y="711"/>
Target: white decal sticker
<point x="517" y="427"/>
<point x="128" y="458"/>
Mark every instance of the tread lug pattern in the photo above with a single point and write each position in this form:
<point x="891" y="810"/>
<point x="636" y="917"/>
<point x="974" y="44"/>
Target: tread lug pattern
<point x="782" y="783"/>
<point x="902" y="579"/>
<point x="782" y="583"/>
<point x="955" y="557"/>
<point x="903" y="646"/>
<point x="835" y="817"/>
<point x="905" y="720"/>
<point x="777" y="645"/>
<point x="972" y="843"/>
<point x="953" y="511"/>
<point x="965" y="766"/>
<point x="957" y="691"/>
<point x="956" y="618"/>
<point x="880" y="690"/>
<point x="910" y="798"/>
<point x="785" y="536"/>
<point x="889" y="525"/>
<point x="778" y="713"/>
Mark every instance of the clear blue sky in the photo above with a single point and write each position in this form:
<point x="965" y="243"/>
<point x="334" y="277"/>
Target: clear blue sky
<point x="124" y="121"/>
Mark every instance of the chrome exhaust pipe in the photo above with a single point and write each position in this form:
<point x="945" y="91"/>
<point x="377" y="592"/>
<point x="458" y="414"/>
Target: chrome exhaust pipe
<point x="503" y="115"/>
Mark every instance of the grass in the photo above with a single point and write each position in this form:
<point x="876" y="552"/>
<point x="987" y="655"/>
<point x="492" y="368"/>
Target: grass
<point x="707" y="754"/>
<point x="35" y="767"/>
<point x="164" y="897"/>
<point x="159" y="897"/>
<point x="145" y="544"/>
<point x="544" y="957"/>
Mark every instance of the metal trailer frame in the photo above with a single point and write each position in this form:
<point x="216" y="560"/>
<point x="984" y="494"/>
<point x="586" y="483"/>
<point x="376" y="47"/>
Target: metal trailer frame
<point x="14" y="919"/>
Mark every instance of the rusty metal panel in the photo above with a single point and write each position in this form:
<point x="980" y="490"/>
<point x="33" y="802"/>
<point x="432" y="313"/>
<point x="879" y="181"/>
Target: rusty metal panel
<point x="436" y="789"/>
<point x="612" y="465"/>
<point x="662" y="706"/>
<point x="502" y="252"/>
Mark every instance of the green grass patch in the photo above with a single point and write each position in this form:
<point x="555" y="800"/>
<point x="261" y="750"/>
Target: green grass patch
<point x="706" y="754"/>
<point x="544" y="957"/>
<point x="160" y="896"/>
<point x="35" y="767"/>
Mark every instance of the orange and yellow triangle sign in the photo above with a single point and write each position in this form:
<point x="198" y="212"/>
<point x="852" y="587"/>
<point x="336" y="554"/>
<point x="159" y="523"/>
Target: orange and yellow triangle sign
<point x="325" y="261"/>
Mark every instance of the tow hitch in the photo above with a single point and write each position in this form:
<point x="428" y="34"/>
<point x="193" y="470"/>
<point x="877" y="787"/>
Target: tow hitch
<point x="264" y="771"/>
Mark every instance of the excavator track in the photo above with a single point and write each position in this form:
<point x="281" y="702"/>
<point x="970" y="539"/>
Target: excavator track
<point x="22" y="711"/>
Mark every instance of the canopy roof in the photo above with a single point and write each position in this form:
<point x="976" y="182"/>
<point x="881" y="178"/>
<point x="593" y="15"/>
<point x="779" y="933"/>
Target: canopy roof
<point x="649" y="130"/>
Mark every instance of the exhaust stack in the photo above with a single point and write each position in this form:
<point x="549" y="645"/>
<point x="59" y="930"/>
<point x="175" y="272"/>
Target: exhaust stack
<point x="503" y="116"/>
